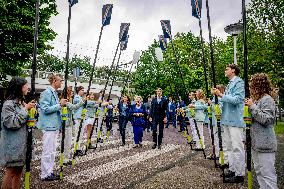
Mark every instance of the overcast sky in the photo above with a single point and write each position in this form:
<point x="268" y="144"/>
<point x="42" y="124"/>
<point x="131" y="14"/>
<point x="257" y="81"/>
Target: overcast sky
<point x="144" y="17"/>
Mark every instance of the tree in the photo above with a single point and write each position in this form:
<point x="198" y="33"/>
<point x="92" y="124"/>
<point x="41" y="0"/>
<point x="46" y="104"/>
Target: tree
<point x="17" y="32"/>
<point x="168" y="74"/>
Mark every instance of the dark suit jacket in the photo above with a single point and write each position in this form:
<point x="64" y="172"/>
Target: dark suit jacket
<point x="158" y="110"/>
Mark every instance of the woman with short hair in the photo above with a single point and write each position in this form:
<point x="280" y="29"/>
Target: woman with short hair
<point x="137" y="113"/>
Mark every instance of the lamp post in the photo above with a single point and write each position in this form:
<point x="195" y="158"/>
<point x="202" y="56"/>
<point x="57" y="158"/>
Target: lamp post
<point x="234" y="30"/>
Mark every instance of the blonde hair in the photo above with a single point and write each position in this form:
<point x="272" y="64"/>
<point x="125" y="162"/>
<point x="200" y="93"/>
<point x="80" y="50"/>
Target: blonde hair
<point x="52" y="77"/>
<point x="138" y="97"/>
<point x="92" y="94"/>
<point x="201" y="94"/>
<point x="69" y="93"/>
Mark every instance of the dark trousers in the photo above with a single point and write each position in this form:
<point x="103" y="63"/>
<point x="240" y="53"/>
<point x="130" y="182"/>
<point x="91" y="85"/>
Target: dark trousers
<point x="182" y="123"/>
<point x="148" y="124"/>
<point x="122" y="126"/>
<point x="158" y="125"/>
<point x="109" y="122"/>
<point x="171" y="117"/>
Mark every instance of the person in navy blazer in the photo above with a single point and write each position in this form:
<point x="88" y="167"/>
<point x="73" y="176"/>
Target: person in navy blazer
<point x="171" y="113"/>
<point x="158" y="116"/>
<point x="50" y="123"/>
<point x="180" y="117"/>
<point x="123" y="108"/>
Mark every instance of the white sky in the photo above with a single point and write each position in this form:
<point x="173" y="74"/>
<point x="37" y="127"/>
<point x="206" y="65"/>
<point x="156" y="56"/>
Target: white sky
<point x="144" y="17"/>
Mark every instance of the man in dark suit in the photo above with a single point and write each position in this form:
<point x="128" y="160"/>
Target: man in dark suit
<point x="158" y="117"/>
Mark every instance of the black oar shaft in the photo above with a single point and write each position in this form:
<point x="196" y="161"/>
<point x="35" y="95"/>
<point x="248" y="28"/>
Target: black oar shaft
<point x="114" y="75"/>
<point x="178" y="66"/>
<point x="32" y="96"/>
<point x="203" y="59"/>
<point x="127" y="78"/>
<point x="95" y="60"/>
<point x="109" y="72"/>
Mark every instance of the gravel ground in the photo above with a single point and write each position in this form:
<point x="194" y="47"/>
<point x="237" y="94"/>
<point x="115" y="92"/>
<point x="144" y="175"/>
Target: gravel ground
<point x="175" y="166"/>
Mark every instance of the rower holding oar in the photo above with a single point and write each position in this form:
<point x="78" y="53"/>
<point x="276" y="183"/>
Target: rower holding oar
<point x="69" y="124"/>
<point x="233" y="123"/>
<point x="13" y="140"/>
<point x="263" y="138"/>
<point x="50" y="123"/>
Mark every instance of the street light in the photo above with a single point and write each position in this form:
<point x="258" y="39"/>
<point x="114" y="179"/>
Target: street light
<point x="234" y="30"/>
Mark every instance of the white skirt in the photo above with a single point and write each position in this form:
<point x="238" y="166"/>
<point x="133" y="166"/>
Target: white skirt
<point x="89" y="121"/>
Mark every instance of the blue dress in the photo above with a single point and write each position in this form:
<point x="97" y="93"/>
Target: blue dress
<point x="138" y="122"/>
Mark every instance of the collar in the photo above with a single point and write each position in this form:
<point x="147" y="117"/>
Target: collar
<point x="233" y="79"/>
<point x="51" y="88"/>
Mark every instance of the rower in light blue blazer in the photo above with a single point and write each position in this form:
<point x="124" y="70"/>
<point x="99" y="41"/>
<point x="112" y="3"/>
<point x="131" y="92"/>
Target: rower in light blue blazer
<point x="50" y="110"/>
<point x="233" y="103"/>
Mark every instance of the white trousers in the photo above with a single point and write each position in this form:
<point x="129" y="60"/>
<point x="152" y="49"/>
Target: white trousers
<point x="216" y="140"/>
<point x="233" y="140"/>
<point x="81" y="137"/>
<point x="67" y="144"/>
<point x="100" y="121"/>
<point x="48" y="152"/>
<point x="200" y="128"/>
<point x="193" y="130"/>
<point x="265" y="169"/>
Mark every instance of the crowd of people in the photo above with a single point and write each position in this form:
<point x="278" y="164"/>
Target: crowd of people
<point x="87" y="114"/>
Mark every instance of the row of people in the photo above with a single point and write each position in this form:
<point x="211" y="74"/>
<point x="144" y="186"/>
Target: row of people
<point x="261" y="104"/>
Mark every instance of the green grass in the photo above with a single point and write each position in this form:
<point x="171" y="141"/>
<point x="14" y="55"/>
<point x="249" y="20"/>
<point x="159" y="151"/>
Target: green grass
<point x="279" y="128"/>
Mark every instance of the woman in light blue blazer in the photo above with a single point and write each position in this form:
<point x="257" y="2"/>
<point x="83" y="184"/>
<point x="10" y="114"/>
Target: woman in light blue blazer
<point x="200" y="107"/>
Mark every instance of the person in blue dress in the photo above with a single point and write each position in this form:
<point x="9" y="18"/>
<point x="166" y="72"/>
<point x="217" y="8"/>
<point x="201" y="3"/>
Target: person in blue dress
<point x="137" y="113"/>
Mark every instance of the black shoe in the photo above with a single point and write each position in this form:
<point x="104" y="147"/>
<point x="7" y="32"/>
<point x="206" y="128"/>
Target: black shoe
<point x="228" y="173"/>
<point x="198" y="149"/>
<point x="234" y="179"/>
<point x="79" y="153"/>
<point x="159" y="147"/>
<point x="91" y="147"/>
<point x="154" y="146"/>
<point x="226" y="165"/>
<point x="140" y="145"/>
<point x="68" y="163"/>
<point x="180" y="131"/>
<point x="51" y="177"/>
